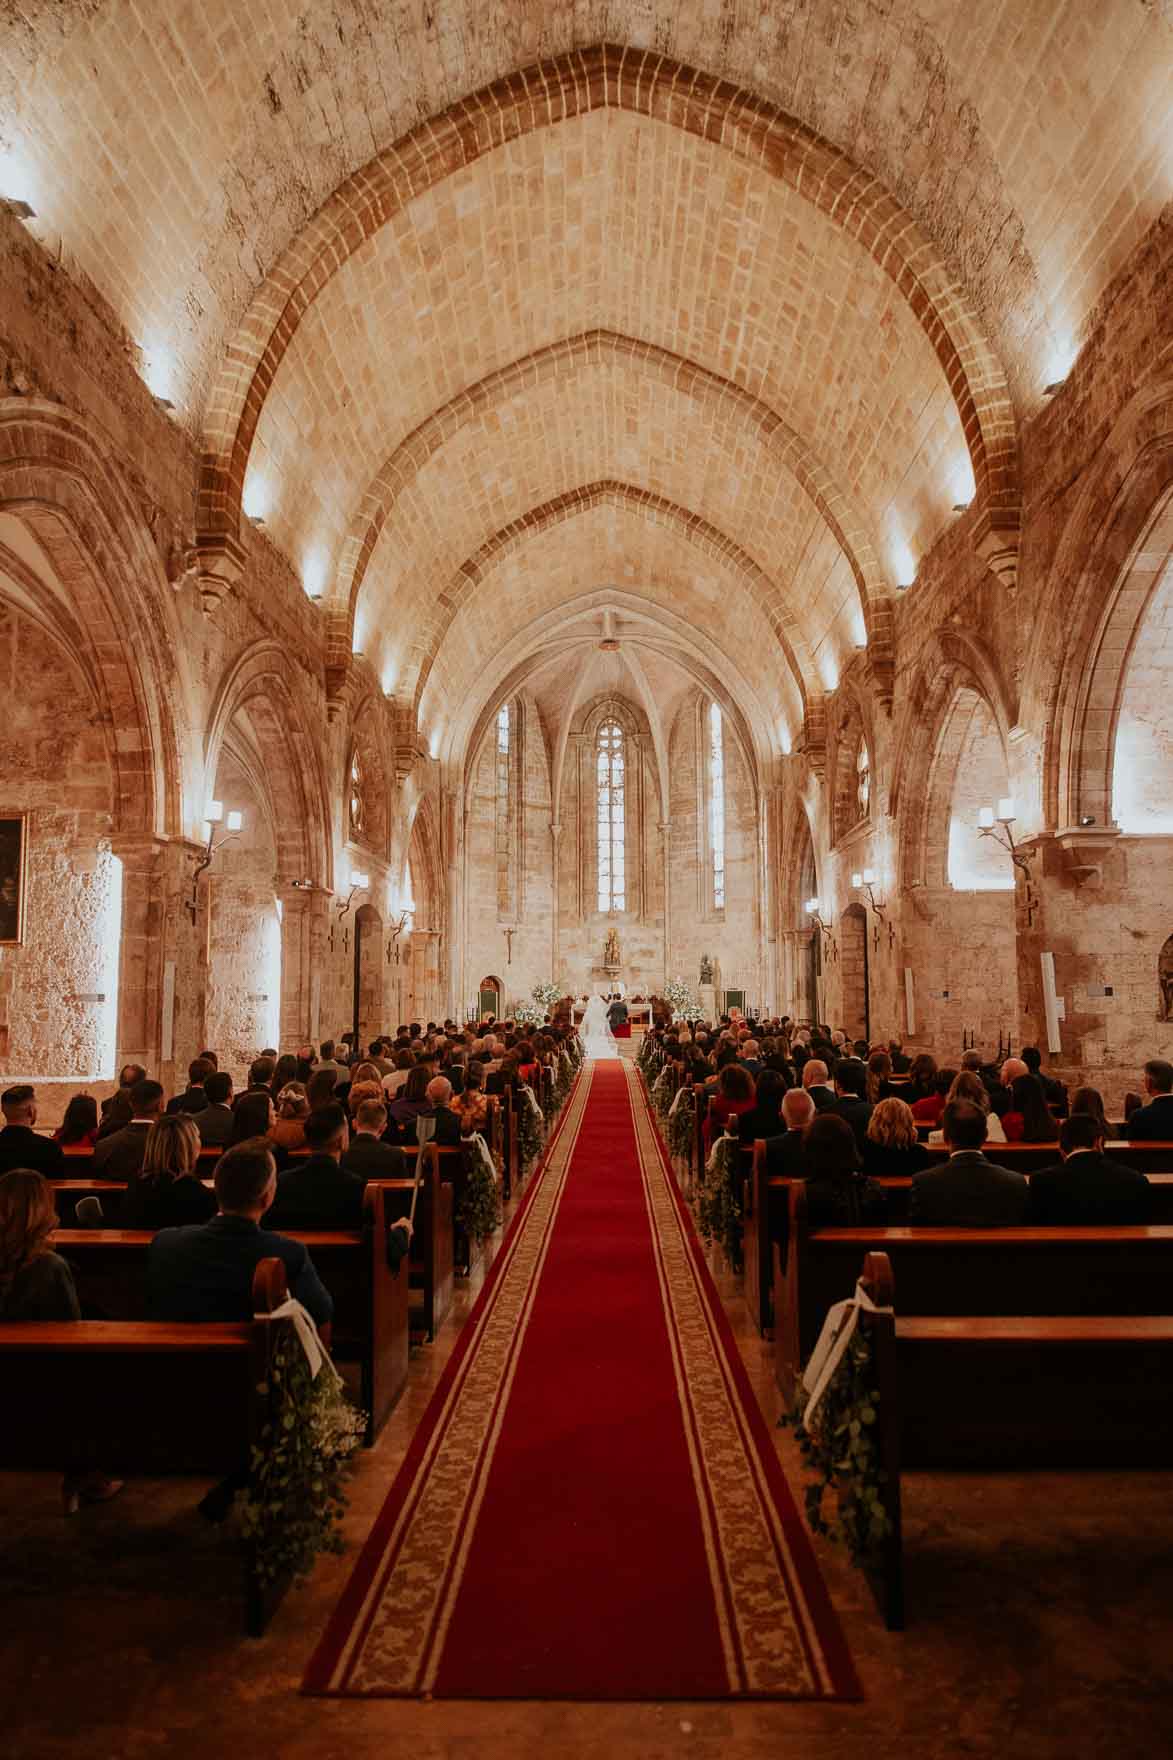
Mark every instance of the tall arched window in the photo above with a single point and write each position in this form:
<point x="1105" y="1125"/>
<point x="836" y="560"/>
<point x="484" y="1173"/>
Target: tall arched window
<point x="506" y="897"/>
<point x="717" y="805"/>
<point x="863" y="780"/>
<point x="358" y="817"/>
<point x="609" y="774"/>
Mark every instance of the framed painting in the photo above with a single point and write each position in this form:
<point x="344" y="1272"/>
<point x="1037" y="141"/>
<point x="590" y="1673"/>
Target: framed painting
<point x="13" y="865"/>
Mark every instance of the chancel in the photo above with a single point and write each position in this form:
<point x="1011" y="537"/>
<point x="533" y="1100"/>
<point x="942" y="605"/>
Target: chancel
<point x="586" y="610"/>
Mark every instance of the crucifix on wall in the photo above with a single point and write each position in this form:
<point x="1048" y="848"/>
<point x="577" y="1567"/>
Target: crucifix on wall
<point x="509" y="934"/>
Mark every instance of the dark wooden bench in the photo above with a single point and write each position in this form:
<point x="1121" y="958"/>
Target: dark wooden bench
<point x="993" y="1390"/>
<point x="432" y="1263"/>
<point x="963" y="1271"/>
<point x="370" y="1325"/>
<point x="143" y="1397"/>
<point x="765" y="1208"/>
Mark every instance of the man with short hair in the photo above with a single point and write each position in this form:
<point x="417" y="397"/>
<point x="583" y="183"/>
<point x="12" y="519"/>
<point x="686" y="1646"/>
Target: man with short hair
<point x="316" y="1192"/>
<point x="329" y="1061"/>
<point x="784" y="1156"/>
<point x="194" y="1098"/>
<point x="1086" y="1188"/>
<point x="750" y="1057"/>
<point x="852" y="1104"/>
<point x="446" y="1133"/>
<point x="128" y="1075"/>
<point x="367" y="1156"/>
<point x="972" y="1061"/>
<point x="816" y="1081"/>
<point x="1054" y="1092"/>
<point x="120" y="1156"/>
<point x="20" y="1146"/>
<point x="901" y="1062"/>
<point x="216" y="1121"/>
<point x="1154" y="1123"/>
<point x="968" y="1191"/>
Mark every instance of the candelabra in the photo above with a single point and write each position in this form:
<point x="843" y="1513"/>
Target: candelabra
<point x="214" y="816"/>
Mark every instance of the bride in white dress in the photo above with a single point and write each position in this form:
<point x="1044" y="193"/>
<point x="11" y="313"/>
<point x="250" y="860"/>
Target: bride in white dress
<point x="596" y="1033"/>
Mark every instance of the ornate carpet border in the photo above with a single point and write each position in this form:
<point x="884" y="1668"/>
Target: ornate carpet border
<point x="780" y="1635"/>
<point x="413" y="1560"/>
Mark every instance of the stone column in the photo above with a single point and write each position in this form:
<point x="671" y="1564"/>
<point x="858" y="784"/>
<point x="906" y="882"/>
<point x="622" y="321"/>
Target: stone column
<point x="163" y="971"/>
<point x="665" y="830"/>
<point x="452" y="951"/>
<point x="555" y="839"/>
<point x="304" y="927"/>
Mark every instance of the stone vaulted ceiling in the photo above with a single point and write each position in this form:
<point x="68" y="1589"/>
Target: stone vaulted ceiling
<point x="498" y="313"/>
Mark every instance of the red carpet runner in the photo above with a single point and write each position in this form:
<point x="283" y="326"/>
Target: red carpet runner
<point x="592" y="1507"/>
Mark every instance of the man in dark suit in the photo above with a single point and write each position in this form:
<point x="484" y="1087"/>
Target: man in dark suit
<point x="366" y="1156"/>
<point x="20" y="1146"/>
<point x="901" y="1062"/>
<point x="1154" y="1123"/>
<point x="128" y="1075"/>
<point x="317" y="1192"/>
<point x="260" y="1077"/>
<point x="194" y="1097"/>
<point x="1087" y="1188"/>
<point x="446" y="1132"/>
<point x="215" y="1122"/>
<point x="968" y="1191"/>
<point x="120" y="1156"/>
<point x="1054" y="1092"/>
<point x="816" y="1081"/>
<point x="784" y="1158"/>
<point x="852" y="1104"/>
<point x="617" y="1014"/>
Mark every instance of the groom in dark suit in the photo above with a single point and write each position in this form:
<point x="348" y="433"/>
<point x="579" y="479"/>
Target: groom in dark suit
<point x="617" y="1014"/>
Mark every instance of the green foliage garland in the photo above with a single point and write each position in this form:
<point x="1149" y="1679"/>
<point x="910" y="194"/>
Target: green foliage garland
<point x="843" y="1452"/>
<point x="564" y="1079"/>
<point x="295" y="1500"/>
<point x="719" y="1205"/>
<point x="479" y="1211"/>
<point x="662" y="1093"/>
<point x="682" y="1127"/>
<point x="529" y="1128"/>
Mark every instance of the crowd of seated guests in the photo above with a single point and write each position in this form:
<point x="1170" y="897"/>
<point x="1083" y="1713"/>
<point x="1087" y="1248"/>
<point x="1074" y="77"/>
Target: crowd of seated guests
<point x="842" y="1114"/>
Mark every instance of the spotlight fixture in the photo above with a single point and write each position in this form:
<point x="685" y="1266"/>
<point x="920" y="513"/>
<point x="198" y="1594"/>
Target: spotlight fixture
<point x="163" y="402"/>
<point x="1086" y="819"/>
<point x="19" y="209"/>
<point x="1050" y="390"/>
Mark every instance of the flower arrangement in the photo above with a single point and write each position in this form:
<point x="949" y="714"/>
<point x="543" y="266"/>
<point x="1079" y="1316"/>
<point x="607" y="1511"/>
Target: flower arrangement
<point x="682" y="1125"/>
<point x="682" y="998"/>
<point x="843" y="1450"/>
<point x="546" y="995"/>
<point x="529" y="1128"/>
<point x="662" y="1094"/>
<point x="719" y="1206"/>
<point x="528" y="1014"/>
<point x="479" y="1211"/>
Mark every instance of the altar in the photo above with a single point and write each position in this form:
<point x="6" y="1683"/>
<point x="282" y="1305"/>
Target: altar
<point x="639" y="1011"/>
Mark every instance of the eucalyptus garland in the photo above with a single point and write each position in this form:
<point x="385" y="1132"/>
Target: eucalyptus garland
<point x="529" y="1128"/>
<point x="662" y="1091"/>
<point x="682" y="1126"/>
<point x="295" y="1501"/>
<point x="843" y="1452"/>
<point x="479" y="1210"/>
<point x="719" y="1204"/>
<point x="564" y="1080"/>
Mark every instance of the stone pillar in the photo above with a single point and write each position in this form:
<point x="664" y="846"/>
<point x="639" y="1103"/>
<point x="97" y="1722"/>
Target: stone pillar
<point x="304" y="926"/>
<point x="665" y="830"/>
<point x="452" y="950"/>
<point x="163" y="972"/>
<point x="555" y="839"/>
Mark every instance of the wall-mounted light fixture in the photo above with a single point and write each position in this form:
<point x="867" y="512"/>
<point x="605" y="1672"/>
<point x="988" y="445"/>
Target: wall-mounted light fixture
<point x="997" y="825"/>
<point x="867" y="881"/>
<point x="396" y="929"/>
<point x="20" y="210"/>
<point x="233" y="825"/>
<point x="811" y="907"/>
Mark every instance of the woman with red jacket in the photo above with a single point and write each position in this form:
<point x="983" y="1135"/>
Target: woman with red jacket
<point x="735" y="1094"/>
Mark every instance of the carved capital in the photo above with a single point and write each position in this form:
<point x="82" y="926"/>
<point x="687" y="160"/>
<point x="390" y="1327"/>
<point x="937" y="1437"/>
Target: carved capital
<point x="996" y="535"/>
<point x="220" y="568"/>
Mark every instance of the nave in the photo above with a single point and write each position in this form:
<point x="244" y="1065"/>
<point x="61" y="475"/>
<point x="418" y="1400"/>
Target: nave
<point x="1013" y="1577"/>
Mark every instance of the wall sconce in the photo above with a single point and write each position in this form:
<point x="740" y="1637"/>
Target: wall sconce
<point x="233" y="825"/>
<point x="358" y="883"/>
<point x="867" y="882"/>
<point x="811" y="907"/>
<point x="403" y="926"/>
<point x="997" y="825"/>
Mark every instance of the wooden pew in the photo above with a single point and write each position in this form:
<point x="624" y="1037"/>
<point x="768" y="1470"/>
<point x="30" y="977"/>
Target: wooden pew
<point x="942" y="1271"/>
<point x="370" y="1324"/>
<point x="432" y="1247"/>
<point x="144" y="1397"/>
<point x="993" y="1390"/>
<point x="765" y="1207"/>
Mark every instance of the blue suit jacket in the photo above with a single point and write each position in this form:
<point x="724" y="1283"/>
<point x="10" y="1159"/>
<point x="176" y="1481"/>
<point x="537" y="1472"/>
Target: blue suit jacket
<point x="205" y="1272"/>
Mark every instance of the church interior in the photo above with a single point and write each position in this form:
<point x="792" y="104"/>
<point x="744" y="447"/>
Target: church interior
<point x="636" y="498"/>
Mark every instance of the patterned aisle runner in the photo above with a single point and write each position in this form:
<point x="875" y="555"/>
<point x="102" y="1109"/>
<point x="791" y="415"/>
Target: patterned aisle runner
<point x="592" y="1507"/>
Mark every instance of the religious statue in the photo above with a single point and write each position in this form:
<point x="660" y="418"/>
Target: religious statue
<point x="706" y="969"/>
<point x="611" y="947"/>
<point x="1165" y="979"/>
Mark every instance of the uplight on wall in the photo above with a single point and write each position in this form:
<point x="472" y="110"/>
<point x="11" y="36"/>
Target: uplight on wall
<point x="784" y="739"/>
<point x="315" y="572"/>
<point x="257" y="500"/>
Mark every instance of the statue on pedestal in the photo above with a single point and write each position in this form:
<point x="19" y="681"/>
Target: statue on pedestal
<point x="611" y="947"/>
<point x="706" y="969"/>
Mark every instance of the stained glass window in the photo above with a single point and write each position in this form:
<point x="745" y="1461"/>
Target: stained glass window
<point x="717" y="804"/>
<point x="609" y="773"/>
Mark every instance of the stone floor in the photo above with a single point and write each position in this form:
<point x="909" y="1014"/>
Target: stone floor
<point x="1040" y="1625"/>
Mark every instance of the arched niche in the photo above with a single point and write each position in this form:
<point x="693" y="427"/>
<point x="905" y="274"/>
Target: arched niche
<point x="855" y="1005"/>
<point x="1142" y="757"/>
<point x="969" y="771"/>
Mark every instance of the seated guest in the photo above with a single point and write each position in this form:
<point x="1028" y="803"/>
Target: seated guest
<point x="316" y="1192"/>
<point x="455" y="1066"/>
<point x="1054" y="1092"/>
<point x="922" y="1077"/>
<point x="292" y="1108"/>
<point x="750" y="1057"/>
<point x="328" y="1060"/>
<point x="284" y="1073"/>
<point x="774" y="1057"/>
<point x="403" y="1063"/>
<point x="35" y="1284"/>
<point x="79" y="1128"/>
<point x="1086" y="1188"/>
<point x="472" y="1105"/>
<point x="260" y="1077"/>
<point x="128" y="1075"/>
<point x="168" y="1192"/>
<point x="901" y="1064"/>
<point x="215" y="1122"/>
<point x="879" y="1077"/>
<point x="851" y="1078"/>
<point x="734" y="1095"/>
<point x="928" y="1109"/>
<point x="784" y="1153"/>
<point x="1148" y="1124"/>
<point x="1030" y="1119"/>
<point x="367" y="1156"/>
<point x="891" y="1147"/>
<point x="321" y="1089"/>
<point x="529" y="1070"/>
<point x="408" y="1107"/>
<point x="205" y="1272"/>
<point x="1090" y="1101"/>
<point x="120" y="1156"/>
<point x="838" y="1195"/>
<point x="764" y="1119"/>
<point x="360" y="1091"/>
<point x="252" y="1115"/>
<point x="446" y="1126"/>
<point x="968" y="1085"/>
<point x="968" y="1191"/>
<point x="999" y="1085"/>
<point x="194" y="1097"/>
<point x="816" y="1079"/>
<point x="20" y="1146"/>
